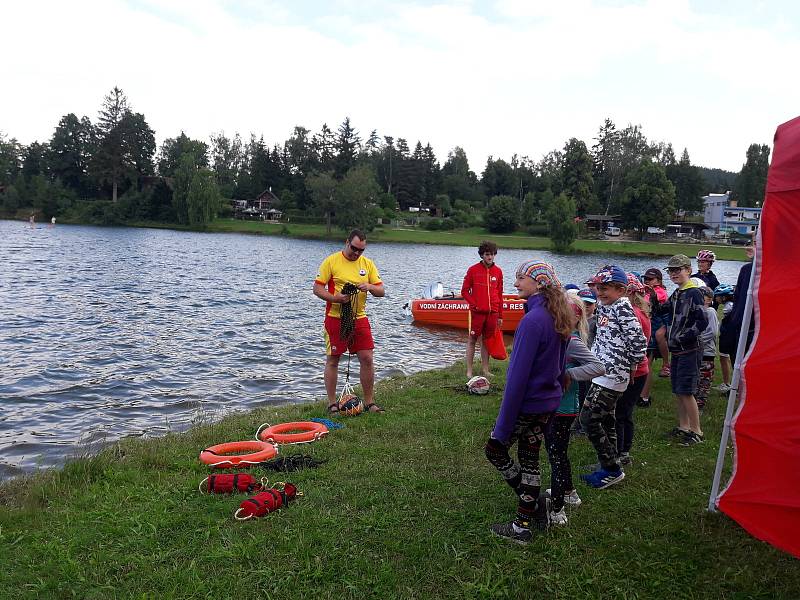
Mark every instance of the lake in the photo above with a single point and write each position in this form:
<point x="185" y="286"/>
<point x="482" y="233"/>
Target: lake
<point x="114" y="332"/>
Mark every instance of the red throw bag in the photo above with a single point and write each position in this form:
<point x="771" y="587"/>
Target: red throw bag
<point x="496" y="345"/>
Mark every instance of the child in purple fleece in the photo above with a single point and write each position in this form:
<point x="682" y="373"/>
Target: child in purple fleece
<point x="532" y="393"/>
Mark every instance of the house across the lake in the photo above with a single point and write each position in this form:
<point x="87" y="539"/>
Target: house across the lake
<point x="263" y="208"/>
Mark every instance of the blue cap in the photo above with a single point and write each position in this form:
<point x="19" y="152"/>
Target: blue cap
<point x="587" y="295"/>
<point x="571" y="286"/>
<point x="611" y="274"/>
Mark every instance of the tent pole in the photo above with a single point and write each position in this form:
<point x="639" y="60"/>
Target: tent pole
<point x="734" y="391"/>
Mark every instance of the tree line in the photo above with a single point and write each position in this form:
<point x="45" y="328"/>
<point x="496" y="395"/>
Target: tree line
<point x="111" y="171"/>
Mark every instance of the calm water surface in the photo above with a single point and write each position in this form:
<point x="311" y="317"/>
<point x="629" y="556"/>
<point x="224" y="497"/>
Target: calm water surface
<point x="113" y="332"/>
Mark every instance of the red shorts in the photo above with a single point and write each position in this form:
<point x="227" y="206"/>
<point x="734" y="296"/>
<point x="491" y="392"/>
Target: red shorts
<point x="483" y="324"/>
<point x="361" y="340"/>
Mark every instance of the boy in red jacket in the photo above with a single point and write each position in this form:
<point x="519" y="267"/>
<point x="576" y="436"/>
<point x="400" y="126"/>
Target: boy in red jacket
<point x="483" y="291"/>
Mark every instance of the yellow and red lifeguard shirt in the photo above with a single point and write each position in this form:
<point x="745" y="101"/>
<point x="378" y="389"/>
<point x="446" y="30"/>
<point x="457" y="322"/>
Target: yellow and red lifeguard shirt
<point x="336" y="270"/>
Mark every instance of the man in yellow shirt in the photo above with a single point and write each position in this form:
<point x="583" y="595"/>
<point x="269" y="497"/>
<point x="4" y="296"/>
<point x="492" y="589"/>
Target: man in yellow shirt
<point x="349" y="266"/>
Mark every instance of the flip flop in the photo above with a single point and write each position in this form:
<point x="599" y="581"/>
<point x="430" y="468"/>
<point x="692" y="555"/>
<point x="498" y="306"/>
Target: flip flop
<point x="369" y="408"/>
<point x="333" y="408"/>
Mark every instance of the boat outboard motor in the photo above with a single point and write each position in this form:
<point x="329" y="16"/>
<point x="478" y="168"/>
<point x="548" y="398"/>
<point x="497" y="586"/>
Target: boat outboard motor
<point x="434" y="290"/>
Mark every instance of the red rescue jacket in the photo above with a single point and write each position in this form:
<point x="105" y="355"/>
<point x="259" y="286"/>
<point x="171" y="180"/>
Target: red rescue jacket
<point x="483" y="289"/>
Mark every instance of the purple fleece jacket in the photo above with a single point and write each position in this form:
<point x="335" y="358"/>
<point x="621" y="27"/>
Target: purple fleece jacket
<point x="533" y="380"/>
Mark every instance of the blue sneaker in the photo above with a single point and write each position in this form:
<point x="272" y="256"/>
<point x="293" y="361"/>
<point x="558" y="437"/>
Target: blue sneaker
<point x="602" y="479"/>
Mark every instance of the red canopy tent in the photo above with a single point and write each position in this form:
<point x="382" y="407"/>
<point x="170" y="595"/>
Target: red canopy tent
<point x="763" y="494"/>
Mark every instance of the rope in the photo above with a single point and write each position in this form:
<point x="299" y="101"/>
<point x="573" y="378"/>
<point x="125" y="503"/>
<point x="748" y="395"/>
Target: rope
<point x="328" y="423"/>
<point x="348" y="388"/>
<point x="294" y="462"/>
<point x="347" y="327"/>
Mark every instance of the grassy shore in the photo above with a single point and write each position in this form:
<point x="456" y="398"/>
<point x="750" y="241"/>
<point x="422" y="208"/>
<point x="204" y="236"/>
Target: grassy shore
<point x="401" y="509"/>
<point x="474" y="236"/>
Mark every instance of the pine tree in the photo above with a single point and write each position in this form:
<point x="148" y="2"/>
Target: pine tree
<point x="688" y="182"/>
<point x="752" y="180"/>
<point x="577" y="176"/>
<point x="347" y="148"/>
<point x="110" y="157"/>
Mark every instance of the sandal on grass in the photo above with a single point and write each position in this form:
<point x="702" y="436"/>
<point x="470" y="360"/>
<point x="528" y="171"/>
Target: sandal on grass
<point x="333" y="408"/>
<point x="374" y="408"/>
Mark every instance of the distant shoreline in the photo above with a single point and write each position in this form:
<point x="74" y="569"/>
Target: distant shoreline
<point x="463" y="237"/>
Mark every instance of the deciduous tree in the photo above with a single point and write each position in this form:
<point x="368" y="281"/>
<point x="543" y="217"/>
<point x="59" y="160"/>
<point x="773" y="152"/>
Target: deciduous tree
<point x="71" y="149"/>
<point x="503" y="214"/>
<point x="172" y="149"/>
<point x="356" y="198"/>
<point x="322" y="187"/>
<point x="561" y="222"/>
<point x="649" y="197"/>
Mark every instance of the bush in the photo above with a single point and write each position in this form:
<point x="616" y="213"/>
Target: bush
<point x="303" y="216"/>
<point x="225" y="210"/>
<point x="538" y="229"/>
<point x="502" y="216"/>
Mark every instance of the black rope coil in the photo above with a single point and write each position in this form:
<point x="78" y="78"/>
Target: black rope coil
<point x="347" y="327"/>
<point x="293" y="462"/>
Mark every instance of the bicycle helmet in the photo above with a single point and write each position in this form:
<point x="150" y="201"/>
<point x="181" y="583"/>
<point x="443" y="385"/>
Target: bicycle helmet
<point x="723" y="289"/>
<point x="706" y="255"/>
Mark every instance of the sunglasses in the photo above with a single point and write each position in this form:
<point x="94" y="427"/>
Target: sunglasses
<point x="674" y="269"/>
<point x="356" y="249"/>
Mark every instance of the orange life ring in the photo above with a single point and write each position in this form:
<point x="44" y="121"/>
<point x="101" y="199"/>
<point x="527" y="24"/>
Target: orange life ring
<point x="307" y="431"/>
<point x="232" y="454"/>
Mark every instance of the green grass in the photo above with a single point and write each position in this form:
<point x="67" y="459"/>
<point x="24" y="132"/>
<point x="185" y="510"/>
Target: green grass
<point x="473" y="237"/>
<point x="400" y="510"/>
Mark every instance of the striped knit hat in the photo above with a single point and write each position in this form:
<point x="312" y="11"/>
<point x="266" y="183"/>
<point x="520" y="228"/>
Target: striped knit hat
<point x="541" y="272"/>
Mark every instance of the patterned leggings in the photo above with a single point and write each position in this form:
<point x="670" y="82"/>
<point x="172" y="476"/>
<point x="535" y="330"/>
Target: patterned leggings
<point x="524" y="478"/>
<point x="600" y="423"/>
<point x="557" y="437"/>
<point x="704" y="384"/>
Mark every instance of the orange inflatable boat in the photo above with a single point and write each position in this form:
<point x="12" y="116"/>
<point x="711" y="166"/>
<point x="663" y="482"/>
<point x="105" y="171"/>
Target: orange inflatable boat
<point x="454" y="311"/>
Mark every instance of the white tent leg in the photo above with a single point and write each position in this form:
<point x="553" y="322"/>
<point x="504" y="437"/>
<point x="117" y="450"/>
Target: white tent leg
<point x="734" y="392"/>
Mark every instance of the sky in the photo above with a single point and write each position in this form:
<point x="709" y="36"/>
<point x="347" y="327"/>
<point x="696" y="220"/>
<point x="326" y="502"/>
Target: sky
<point x="496" y="78"/>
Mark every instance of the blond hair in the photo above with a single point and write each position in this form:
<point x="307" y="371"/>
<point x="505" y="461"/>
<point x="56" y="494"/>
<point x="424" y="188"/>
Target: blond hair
<point x="579" y="313"/>
<point x="556" y="303"/>
<point x="639" y="302"/>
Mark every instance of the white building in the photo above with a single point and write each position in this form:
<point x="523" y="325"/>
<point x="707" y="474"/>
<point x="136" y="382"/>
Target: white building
<point x="722" y="215"/>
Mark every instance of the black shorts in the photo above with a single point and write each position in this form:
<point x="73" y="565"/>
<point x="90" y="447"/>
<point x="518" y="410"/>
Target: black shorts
<point x="685" y="372"/>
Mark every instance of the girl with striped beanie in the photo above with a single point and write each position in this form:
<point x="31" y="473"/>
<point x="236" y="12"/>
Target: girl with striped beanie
<point x="532" y="394"/>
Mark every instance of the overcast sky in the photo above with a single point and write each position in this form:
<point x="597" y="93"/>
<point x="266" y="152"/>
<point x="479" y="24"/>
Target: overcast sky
<point x="495" y="77"/>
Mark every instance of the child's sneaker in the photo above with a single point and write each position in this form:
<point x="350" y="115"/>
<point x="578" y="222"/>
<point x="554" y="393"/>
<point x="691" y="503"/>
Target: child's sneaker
<point x="572" y="498"/>
<point x="690" y="438"/>
<point x="675" y="432"/>
<point x="512" y="531"/>
<point x="724" y="388"/>
<point x="602" y="479"/>
<point x="558" y="519"/>
<point x="625" y="458"/>
<point x="643" y="403"/>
